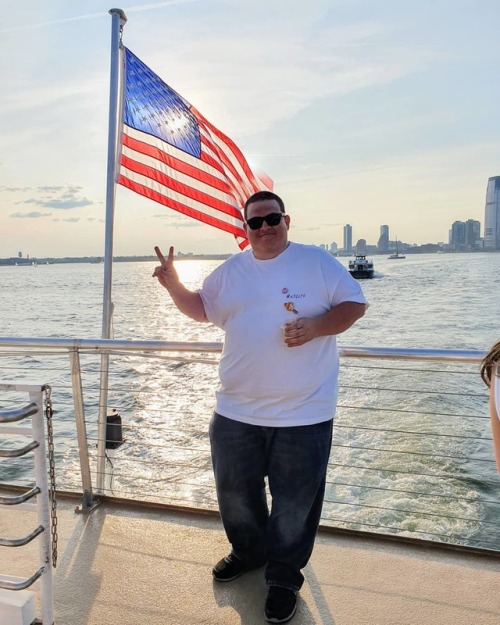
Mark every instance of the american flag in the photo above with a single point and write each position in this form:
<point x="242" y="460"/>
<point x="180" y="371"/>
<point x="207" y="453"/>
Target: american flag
<point x="171" y="154"/>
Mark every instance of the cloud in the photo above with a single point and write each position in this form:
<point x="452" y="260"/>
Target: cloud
<point x="36" y="97"/>
<point x="4" y="189"/>
<point x="32" y="215"/>
<point x="188" y="223"/>
<point x="60" y="197"/>
<point x="61" y="203"/>
<point x="57" y="189"/>
<point x="88" y="16"/>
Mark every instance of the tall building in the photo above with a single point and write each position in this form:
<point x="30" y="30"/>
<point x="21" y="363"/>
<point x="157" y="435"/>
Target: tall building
<point x="472" y="234"/>
<point x="492" y="214"/>
<point x="383" y="241"/>
<point x="361" y="246"/>
<point x="457" y="236"/>
<point x="348" y="238"/>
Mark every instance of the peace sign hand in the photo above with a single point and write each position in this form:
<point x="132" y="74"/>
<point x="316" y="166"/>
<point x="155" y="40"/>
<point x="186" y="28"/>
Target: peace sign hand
<point x="166" y="272"/>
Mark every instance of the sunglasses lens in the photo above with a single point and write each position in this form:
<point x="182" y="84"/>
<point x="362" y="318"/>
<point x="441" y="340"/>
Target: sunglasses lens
<point x="255" y="223"/>
<point x="273" y="219"/>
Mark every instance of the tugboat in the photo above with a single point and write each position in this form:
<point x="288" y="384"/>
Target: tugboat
<point x="360" y="268"/>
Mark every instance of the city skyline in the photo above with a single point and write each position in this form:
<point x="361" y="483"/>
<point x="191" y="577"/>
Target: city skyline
<point x="360" y="112"/>
<point x="466" y="232"/>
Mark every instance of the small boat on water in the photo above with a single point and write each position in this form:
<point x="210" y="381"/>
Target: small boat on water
<point x="397" y="254"/>
<point x="361" y="268"/>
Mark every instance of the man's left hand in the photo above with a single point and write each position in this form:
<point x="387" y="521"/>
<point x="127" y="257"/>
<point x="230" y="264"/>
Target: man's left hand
<point x="299" y="332"/>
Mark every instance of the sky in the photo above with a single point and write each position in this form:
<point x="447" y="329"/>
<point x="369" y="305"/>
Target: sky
<point x="361" y="111"/>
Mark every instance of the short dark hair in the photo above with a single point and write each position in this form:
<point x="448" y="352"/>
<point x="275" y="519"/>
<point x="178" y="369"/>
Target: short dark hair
<point x="263" y="195"/>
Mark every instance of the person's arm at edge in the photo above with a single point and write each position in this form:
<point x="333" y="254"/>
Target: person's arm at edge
<point x="495" y="425"/>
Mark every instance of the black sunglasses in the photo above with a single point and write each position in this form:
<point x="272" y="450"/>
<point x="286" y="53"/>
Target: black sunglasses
<point x="273" y="219"/>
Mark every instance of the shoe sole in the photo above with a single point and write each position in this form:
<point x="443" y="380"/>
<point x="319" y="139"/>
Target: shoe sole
<point x="227" y="579"/>
<point x="230" y="579"/>
<point x="283" y="620"/>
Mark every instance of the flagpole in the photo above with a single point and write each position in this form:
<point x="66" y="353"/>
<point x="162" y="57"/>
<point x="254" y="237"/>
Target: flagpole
<point x="118" y="21"/>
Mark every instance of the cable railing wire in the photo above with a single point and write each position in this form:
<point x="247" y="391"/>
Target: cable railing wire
<point x="400" y="530"/>
<point x="418" y="391"/>
<point x="414" y="492"/>
<point x="414" y="453"/>
<point x="456" y="477"/>
<point x="390" y="430"/>
<point x="413" y="512"/>
<point x="413" y="412"/>
<point x="399" y="369"/>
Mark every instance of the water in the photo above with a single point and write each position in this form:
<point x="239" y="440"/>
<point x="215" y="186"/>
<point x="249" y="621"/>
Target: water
<point x="424" y="301"/>
<point x="447" y="301"/>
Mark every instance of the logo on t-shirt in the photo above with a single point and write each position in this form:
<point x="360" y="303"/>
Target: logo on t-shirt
<point x="289" y="295"/>
<point x="290" y="306"/>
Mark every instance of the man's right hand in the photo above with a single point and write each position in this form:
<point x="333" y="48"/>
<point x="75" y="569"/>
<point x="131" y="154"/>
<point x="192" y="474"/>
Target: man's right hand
<point x="166" y="272"/>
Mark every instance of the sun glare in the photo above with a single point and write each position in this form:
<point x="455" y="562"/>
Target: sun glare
<point x="191" y="272"/>
<point x="178" y="123"/>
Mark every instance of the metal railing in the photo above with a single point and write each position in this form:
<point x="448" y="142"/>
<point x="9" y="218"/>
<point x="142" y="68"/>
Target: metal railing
<point x="411" y="454"/>
<point x="33" y="409"/>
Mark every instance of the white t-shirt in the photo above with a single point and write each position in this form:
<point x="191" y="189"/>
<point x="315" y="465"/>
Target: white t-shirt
<point x="262" y="381"/>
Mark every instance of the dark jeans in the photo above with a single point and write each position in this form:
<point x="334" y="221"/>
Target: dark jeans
<point x="295" y="460"/>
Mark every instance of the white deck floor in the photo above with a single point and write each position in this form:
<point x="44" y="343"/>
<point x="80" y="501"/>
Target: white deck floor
<point x="128" y="566"/>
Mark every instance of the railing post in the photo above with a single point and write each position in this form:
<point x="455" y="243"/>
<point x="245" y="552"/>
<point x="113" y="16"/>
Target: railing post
<point x="101" y="423"/>
<point x="88" y="501"/>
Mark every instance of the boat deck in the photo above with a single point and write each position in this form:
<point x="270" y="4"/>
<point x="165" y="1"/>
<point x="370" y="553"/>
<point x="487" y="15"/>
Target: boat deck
<point x="123" y="565"/>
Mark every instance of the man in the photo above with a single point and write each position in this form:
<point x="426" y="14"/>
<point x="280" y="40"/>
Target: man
<point x="281" y="306"/>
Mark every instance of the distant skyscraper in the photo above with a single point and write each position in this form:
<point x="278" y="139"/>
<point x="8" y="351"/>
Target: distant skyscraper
<point x="361" y="246"/>
<point x="348" y="238"/>
<point x="383" y="241"/>
<point x="492" y="214"/>
<point x="472" y="234"/>
<point x="457" y="236"/>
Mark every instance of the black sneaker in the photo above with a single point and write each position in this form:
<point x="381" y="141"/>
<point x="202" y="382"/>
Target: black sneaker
<point x="228" y="568"/>
<point x="281" y="604"/>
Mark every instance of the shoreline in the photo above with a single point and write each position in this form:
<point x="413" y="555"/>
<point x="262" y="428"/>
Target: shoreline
<point x="98" y="260"/>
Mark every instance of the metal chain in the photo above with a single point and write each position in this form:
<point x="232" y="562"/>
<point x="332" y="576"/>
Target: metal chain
<point x="52" y="474"/>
